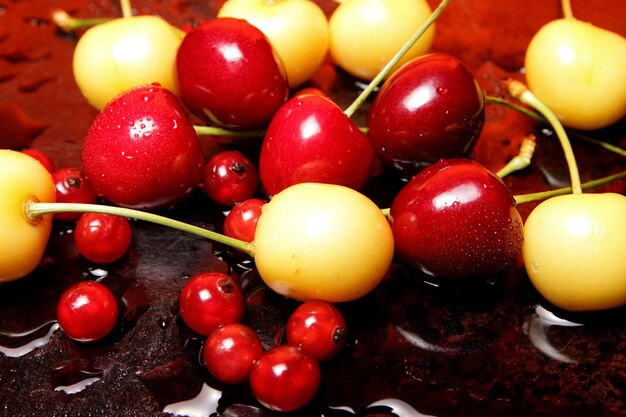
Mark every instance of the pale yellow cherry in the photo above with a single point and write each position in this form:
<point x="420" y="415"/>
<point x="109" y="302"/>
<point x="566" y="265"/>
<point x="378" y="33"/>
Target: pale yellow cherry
<point x="578" y="71"/>
<point x="575" y="251"/>
<point x="365" y="34"/>
<point x="23" y="241"/>
<point x="322" y="241"/>
<point x="115" y="56"/>
<point x="297" y="29"/>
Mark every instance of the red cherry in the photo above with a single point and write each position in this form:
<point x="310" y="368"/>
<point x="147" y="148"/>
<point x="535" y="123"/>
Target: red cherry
<point x="102" y="238"/>
<point x="87" y="311"/>
<point x="42" y="157"/>
<point x="431" y="108"/>
<point x="229" y="74"/>
<point x="284" y="378"/>
<point x="240" y="223"/>
<point x="210" y="300"/>
<point x="230" y="351"/>
<point x="230" y="177"/>
<point x="318" y="328"/>
<point x="456" y="219"/>
<point x="310" y="139"/>
<point x="72" y="187"/>
<point x="141" y="151"/>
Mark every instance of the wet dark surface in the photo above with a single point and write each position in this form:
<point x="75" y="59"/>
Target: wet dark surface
<point x="481" y="349"/>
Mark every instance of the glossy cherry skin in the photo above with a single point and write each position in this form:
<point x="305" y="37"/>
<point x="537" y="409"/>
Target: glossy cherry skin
<point x="229" y="74"/>
<point x="230" y="177"/>
<point x="310" y="139"/>
<point x="241" y="221"/>
<point x="210" y="300"/>
<point x="141" y="151"/>
<point x="284" y="378"/>
<point x="72" y="187"/>
<point x="431" y="108"/>
<point x="102" y="238"/>
<point x="457" y="220"/>
<point x="87" y="311"/>
<point x="230" y="351"/>
<point x="42" y="157"/>
<point x="318" y="328"/>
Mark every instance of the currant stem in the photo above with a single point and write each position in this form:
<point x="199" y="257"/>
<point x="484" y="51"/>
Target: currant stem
<point x="127" y="10"/>
<point x="396" y="58"/>
<point x="35" y="209"/>
<point x="566" y="7"/>
<point x="68" y="23"/>
<point x="219" y="131"/>
<point x="521" y="92"/>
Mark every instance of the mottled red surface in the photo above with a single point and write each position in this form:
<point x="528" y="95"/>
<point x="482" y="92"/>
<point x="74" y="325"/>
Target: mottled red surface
<point x="472" y="351"/>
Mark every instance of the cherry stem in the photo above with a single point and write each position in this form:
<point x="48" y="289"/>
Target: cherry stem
<point x="526" y="198"/>
<point x="220" y="131"/>
<point x="68" y="23"/>
<point x="522" y="93"/>
<point x="522" y="159"/>
<point x="356" y="104"/>
<point x="566" y="7"/>
<point x="127" y="10"/>
<point x="34" y="209"/>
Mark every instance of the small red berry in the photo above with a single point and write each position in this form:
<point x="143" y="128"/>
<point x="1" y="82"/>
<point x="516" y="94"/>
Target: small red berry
<point x="284" y="378"/>
<point x="318" y="328"/>
<point x="230" y="351"/>
<point x="87" y="311"/>
<point x="102" y="238"/>
<point x="72" y="187"/>
<point x="42" y="157"/>
<point x="210" y="300"/>
<point x="230" y="177"/>
<point x="241" y="221"/>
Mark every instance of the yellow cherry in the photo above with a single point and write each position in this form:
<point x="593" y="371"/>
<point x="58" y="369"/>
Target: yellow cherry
<point x="23" y="241"/>
<point x="577" y="70"/>
<point x="114" y="56"/>
<point x="322" y="241"/>
<point x="575" y="251"/>
<point x="365" y="34"/>
<point x="297" y="29"/>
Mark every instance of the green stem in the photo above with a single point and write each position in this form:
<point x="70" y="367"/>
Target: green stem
<point x="566" y="7"/>
<point x="127" y="10"/>
<point x="394" y="61"/>
<point x="521" y="92"/>
<point x="68" y="23"/>
<point x="522" y="159"/>
<point x="526" y="198"/>
<point x="35" y="209"/>
<point x="219" y="131"/>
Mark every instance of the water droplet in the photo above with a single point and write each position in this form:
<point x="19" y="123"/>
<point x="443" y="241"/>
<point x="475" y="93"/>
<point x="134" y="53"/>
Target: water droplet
<point x="442" y="90"/>
<point x="535" y="267"/>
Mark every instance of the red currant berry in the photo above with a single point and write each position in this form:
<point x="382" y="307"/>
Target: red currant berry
<point x="102" y="238"/>
<point x="42" y="157"/>
<point x="72" y="187"/>
<point x="318" y="328"/>
<point x="230" y="351"/>
<point x="87" y="311"/>
<point x="240" y="223"/>
<point x="230" y="177"/>
<point x="210" y="300"/>
<point x="284" y="378"/>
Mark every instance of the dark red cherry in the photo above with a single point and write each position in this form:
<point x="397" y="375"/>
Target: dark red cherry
<point x="72" y="187"/>
<point x="318" y="328"/>
<point x="141" y="151"/>
<point x="42" y="157"/>
<point x="87" y="311"/>
<point x="284" y="378"/>
<point x="431" y="108"/>
<point x="230" y="351"/>
<point x="102" y="238"/>
<point x="456" y="220"/>
<point x="229" y="74"/>
<point x="210" y="300"/>
<point x="310" y="139"/>
<point x="241" y="221"/>
<point x="230" y="177"/>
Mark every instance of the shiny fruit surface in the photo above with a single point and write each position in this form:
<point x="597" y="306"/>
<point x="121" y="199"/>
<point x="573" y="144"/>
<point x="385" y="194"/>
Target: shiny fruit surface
<point x="366" y="34"/>
<point x="297" y="29"/>
<point x="23" y="179"/>
<point x="574" y="251"/>
<point x="102" y="238"/>
<point x="577" y="70"/>
<point x="309" y="243"/>
<point x="230" y="177"/>
<point x="429" y="109"/>
<point x="229" y="74"/>
<point x="72" y="187"/>
<point x="457" y="220"/>
<point x="115" y="56"/>
<point x="240" y="223"/>
<point x="141" y="150"/>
